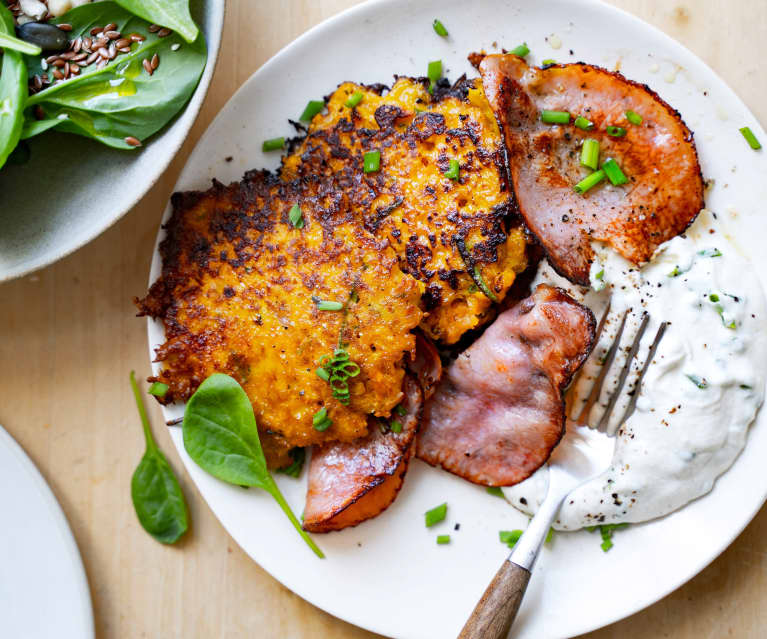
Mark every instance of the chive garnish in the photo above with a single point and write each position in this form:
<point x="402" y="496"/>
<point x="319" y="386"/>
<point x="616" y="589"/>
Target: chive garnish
<point x="599" y="275"/>
<point x="298" y="455"/>
<point x="354" y="99"/>
<point x="495" y="491"/>
<point x="295" y="216"/>
<point x="614" y="172"/>
<point x="322" y="374"/>
<point x="522" y="50"/>
<point x="321" y="421"/>
<point x="454" y="171"/>
<point x="328" y="305"/>
<point x="555" y="117"/>
<point x="548" y="61"/>
<point x="313" y="107"/>
<point x="400" y="410"/>
<point x="275" y="144"/>
<point x="158" y="389"/>
<point x="606" y="532"/>
<point x="713" y="297"/>
<point x="710" y="252"/>
<point x="750" y="138"/>
<point x="583" y="123"/>
<point x="698" y="381"/>
<point x="439" y="28"/>
<point x="675" y="271"/>
<point x="633" y="117"/>
<point x="371" y="161"/>
<point x="435" y="515"/>
<point x="395" y="426"/>
<point x="616" y="131"/>
<point x="481" y="283"/>
<point x="590" y="154"/>
<point x="589" y="181"/>
<point x="510" y="537"/>
<point x="337" y="369"/>
<point x="434" y="73"/>
<point x="443" y="539"/>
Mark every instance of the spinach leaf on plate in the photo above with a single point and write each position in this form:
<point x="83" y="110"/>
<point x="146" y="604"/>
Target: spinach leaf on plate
<point x="156" y="494"/>
<point x="121" y="100"/>
<point x="173" y="14"/>
<point x="8" y="41"/>
<point x="13" y="91"/>
<point x="221" y="436"/>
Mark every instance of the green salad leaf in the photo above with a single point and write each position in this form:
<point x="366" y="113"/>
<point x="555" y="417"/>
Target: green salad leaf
<point x="221" y="436"/>
<point x="120" y="100"/>
<point x="173" y="14"/>
<point x="15" y="44"/>
<point x="13" y="90"/>
<point x="156" y="494"/>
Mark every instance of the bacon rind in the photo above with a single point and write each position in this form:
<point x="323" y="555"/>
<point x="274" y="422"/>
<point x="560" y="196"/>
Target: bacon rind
<point x="352" y="482"/>
<point x="665" y="192"/>
<point x="499" y="411"/>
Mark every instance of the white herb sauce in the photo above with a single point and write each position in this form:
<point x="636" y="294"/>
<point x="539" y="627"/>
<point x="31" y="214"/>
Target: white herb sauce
<point x="701" y="391"/>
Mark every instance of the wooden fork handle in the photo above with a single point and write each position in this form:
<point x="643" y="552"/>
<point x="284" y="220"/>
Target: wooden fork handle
<point x="496" y="610"/>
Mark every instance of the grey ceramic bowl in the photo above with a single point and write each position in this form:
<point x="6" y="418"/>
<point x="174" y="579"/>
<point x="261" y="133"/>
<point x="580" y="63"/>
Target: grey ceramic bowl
<point x="41" y="221"/>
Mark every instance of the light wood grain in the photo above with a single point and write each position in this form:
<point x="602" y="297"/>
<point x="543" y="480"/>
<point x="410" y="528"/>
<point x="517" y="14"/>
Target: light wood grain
<point x="68" y="338"/>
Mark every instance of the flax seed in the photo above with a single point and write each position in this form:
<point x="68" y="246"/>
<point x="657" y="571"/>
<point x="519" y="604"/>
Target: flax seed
<point x="78" y="45"/>
<point x="80" y="57"/>
<point x="136" y="37"/>
<point x="39" y="113"/>
<point x="96" y="30"/>
<point x="87" y="42"/>
<point x="132" y="141"/>
<point x="148" y="66"/>
<point x="38" y="82"/>
<point x="74" y="69"/>
<point x="103" y="53"/>
<point x="64" y="26"/>
<point x="112" y="51"/>
<point x="110" y="27"/>
<point x="153" y="28"/>
<point x="112" y="35"/>
<point x="58" y="62"/>
<point x="155" y="62"/>
<point x="51" y="59"/>
<point x="123" y="49"/>
<point x="92" y="57"/>
<point x="66" y="70"/>
<point x="123" y="42"/>
<point x="58" y="74"/>
<point x="68" y="55"/>
<point x="164" y="32"/>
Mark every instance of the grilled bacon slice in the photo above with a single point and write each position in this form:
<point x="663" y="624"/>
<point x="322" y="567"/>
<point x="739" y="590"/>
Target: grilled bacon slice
<point x="665" y="189"/>
<point x="499" y="410"/>
<point x="354" y="481"/>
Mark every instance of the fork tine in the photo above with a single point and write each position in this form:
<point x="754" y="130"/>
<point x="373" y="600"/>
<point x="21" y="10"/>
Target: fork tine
<point x="638" y="385"/>
<point x="602" y="425"/>
<point x="596" y="389"/>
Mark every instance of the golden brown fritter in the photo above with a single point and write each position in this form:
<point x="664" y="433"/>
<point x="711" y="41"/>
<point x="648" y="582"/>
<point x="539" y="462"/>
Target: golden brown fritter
<point x="236" y="296"/>
<point x="440" y="228"/>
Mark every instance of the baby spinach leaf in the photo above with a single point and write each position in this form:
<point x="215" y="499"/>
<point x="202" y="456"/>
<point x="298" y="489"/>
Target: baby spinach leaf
<point x="157" y="496"/>
<point x="173" y="14"/>
<point x="120" y="100"/>
<point x="221" y="436"/>
<point x="15" y="44"/>
<point x="13" y="91"/>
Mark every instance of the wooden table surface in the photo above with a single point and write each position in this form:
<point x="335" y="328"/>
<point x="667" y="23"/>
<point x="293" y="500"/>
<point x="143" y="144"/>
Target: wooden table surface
<point x="68" y="338"/>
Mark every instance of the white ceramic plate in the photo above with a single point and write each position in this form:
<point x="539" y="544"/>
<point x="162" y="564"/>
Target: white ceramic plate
<point x="388" y="575"/>
<point x="43" y="589"/>
<point x="72" y="189"/>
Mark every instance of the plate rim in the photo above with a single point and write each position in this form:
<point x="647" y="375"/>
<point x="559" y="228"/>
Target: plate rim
<point x="372" y="5"/>
<point x="57" y="514"/>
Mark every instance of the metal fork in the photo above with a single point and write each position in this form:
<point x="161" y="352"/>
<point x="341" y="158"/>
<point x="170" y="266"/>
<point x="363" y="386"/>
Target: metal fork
<point x="587" y="455"/>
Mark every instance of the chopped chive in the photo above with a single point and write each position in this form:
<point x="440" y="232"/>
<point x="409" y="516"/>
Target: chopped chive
<point x="509" y="537"/>
<point x="443" y="539"/>
<point x="395" y="426"/>
<point x="435" y="515"/>
<point x="275" y="144"/>
<point x="548" y="61"/>
<point x="614" y="173"/>
<point x="698" y="381"/>
<point x="549" y="536"/>
<point x="750" y="138"/>
<point x="295" y="216"/>
<point x="710" y="252"/>
<point x="313" y="107"/>
<point x="590" y="181"/>
<point x="616" y="131"/>
<point x="495" y="491"/>
<point x="522" y="50"/>
<point x="158" y="389"/>
<point x="321" y="421"/>
<point x="633" y="117"/>
<point x="439" y="28"/>
<point x="583" y="123"/>
<point x="590" y="154"/>
<point x="713" y="297"/>
<point x="371" y="161"/>
<point x="606" y="532"/>
<point x="329" y="305"/>
<point x="434" y="73"/>
<point x="454" y="171"/>
<point x="600" y="275"/>
<point x="322" y="374"/>
<point x="298" y="455"/>
<point x="675" y="271"/>
<point x="555" y="117"/>
<point x="481" y="283"/>
<point x="354" y="99"/>
<point x="400" y="410"/>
